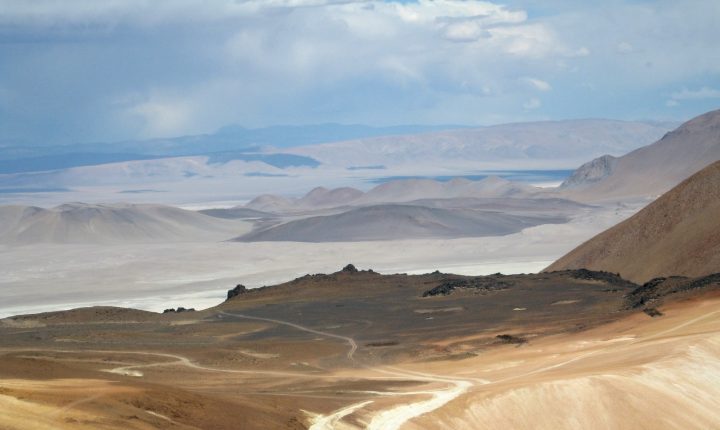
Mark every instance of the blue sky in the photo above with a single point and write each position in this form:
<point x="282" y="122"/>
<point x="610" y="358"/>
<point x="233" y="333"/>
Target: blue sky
<point x="104" y="70"/>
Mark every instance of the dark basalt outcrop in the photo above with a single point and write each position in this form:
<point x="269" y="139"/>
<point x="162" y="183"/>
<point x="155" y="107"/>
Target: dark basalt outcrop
<point x="653" y="312"/>
<point x="656" y="289"/>
<point x="510" y="339"/>
<point x="479" y="284"/>
<point x="350" y="268"/>
<point x="238" y="290"/>
<point x="607" y="277"/>
<point x="178" y="310"/>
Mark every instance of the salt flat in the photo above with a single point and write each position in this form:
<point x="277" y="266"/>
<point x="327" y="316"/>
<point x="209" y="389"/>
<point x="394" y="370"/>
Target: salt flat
<point x="155" y="276"/>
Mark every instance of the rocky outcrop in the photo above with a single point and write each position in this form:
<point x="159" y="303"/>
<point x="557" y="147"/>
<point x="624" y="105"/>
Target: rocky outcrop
<point x="350" y="269"/>
<point x="480" y="284"/>
<point x="178" y="310"/>
<point x="590" y="172"/>
<point x="237" y="291"/>
<point x="651" y="293"/>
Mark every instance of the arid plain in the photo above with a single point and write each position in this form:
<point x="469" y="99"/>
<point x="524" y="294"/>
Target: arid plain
<point x="382" y="352"/>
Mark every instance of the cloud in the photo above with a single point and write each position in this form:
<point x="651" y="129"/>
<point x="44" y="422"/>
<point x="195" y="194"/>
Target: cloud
<point x="624" y="48"/>
<point x="537" y="84"/>
<point x="699" y="94"/>
<point x="532" y="104"/>
<point x="89" y="70"/>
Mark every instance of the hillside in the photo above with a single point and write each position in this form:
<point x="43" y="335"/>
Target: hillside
<point x="653" y="169"/>
<point x="395" y="221"/>
<point x="548" y="144"/>
<point x="120" y="223"/>
<point x="396" y="191"/>
<point x="678" y="234"/>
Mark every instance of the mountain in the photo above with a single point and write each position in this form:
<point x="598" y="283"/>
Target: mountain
<point x="237" y="212"/>
<point x="591" y="172"/>
<point x="405" y="190"/>
<point x="540" y="145"/>
<point x="322" y="197"/>
<point x="231" y="142"/>
<point x="396" y="191"/>
<point x="653" y="169"/>
<point x="678" y="234"/>
<point x="120" y="223"/>
<point x="394" y="221"/>
<point x="270" y="203"/>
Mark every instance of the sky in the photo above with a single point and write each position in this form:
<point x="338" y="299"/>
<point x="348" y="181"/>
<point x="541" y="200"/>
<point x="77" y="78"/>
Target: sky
<point x="107" y="70"/>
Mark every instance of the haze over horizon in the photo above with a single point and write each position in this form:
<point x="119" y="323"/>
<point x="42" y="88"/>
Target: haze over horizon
<point x="88" y="71"/>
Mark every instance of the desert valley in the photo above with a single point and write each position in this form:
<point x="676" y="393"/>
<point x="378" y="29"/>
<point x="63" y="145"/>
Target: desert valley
<point x="629" y="316"/>
<point x="381" y="215"/>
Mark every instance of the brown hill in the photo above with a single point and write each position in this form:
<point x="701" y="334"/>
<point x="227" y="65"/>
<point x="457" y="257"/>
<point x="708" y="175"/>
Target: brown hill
<point x="653" y="169"/>
<point x="678" y="234"/>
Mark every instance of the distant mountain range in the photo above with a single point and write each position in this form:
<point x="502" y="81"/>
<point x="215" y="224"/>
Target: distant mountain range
<point x="653" y="169"/>
<point x="397" y="191"/>
<point x="546" y="145"/>
<point x="229" y="143"/>
<point x="357" y="147"/>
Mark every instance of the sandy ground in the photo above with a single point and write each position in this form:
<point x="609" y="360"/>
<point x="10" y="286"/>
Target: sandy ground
<point x="38" y="278"/>
<point x="637" y="373"/>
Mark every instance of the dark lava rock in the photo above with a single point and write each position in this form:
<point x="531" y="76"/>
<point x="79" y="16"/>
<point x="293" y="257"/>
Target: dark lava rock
<point x="178" y="310"/>
<point x="350" y="269"/>
<point x="607" y="277"/>
<point x="653" y="312"/>
<point x="655" y="289"/>
<point x="510" y="339"/>
<point x="482" y="284"/>
<point x="238" y="290"/>
<point x="647" y="292"/>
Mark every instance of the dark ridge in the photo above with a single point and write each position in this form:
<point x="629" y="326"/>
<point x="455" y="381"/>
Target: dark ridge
<point x="607" y="277"/>
<point x="178" y="310"/>
<point x="656" y="289"/>
<point x="479" y="284"/>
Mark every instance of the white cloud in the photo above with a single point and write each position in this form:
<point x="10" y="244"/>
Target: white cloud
<point x="701" y="93"/>
<point x="625" y="48"/>
<point x="532" y="104"/>
<point x="163" y="117"/>
<point x="537" y="84"/>
<point x="192" y="66"/>
<point x="671" y="103"/>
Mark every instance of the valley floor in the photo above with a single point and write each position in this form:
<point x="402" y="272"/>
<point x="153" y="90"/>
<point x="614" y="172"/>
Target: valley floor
<point x="45" y="277"/>
<point x="634" y="372"/>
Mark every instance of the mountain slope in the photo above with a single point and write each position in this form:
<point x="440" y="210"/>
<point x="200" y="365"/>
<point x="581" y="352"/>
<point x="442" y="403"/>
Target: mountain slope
<point x="121" y="223"/>
<point x="559" y="144"/>
<point x="653" y="169"/>
<point x="396" y="191"/>
<point x="678" y="234"/>
<point x="394" y="221"/>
